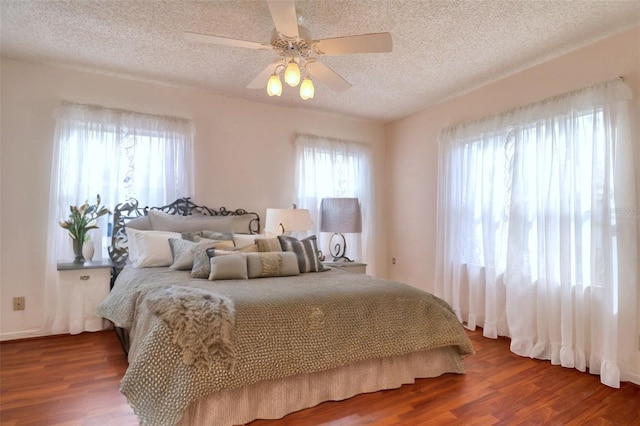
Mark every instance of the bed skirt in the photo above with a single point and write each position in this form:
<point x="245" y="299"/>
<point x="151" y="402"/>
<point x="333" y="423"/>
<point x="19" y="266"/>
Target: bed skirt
<point x="274" y="399"/>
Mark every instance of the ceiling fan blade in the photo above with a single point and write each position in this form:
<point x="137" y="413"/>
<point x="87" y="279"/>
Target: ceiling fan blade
<point x="365" y="43"/>
<point x="260" y="82"/>
<point x="326" y="75"/>
<point x="283" y="13"/>
<point x="225" y="41"/>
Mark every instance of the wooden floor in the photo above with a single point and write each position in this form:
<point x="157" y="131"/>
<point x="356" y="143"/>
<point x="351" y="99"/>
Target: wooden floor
<point x="73" y="380"/>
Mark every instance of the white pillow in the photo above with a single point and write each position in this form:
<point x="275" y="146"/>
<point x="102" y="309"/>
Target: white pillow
<point x="141" y="223"/>
<point x="161" y="221"/>
<point x="243" y="240"/>
<point x="150" y="248"/>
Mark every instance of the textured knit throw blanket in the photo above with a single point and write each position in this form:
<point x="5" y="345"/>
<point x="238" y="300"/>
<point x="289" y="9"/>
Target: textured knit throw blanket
<point x="201" y="324"/>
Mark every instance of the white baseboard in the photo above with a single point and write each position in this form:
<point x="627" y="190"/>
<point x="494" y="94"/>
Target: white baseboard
<point x="25" y="334"/>
<point x="633" y="378"/>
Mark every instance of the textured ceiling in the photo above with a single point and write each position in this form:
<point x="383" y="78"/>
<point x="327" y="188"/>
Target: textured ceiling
<point x="440" y="48"/>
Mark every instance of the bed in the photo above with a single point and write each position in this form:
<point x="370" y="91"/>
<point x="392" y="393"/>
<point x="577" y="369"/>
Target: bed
<point x="271" y="334"/>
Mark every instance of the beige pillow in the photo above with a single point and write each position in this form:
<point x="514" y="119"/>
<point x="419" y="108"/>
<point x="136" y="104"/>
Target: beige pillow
<point x="222" y="251"/>
<point x="243" y="240"/>
<point x="161" y="221"/>
<point x="268" y="244"/>
<point x="272" y="264"/>
<point x="141" y="223"/>
<point x="231" y="267"/>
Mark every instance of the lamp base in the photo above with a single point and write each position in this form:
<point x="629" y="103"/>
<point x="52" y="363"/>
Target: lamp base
<point x="338" y="249"/>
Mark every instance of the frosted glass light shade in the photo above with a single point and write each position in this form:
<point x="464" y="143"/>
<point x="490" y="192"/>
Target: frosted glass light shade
<point x="292" y="74"/>
<point x="287" y="220"/>
<point x="306" y="89"/>
<point x="274" y="86"/>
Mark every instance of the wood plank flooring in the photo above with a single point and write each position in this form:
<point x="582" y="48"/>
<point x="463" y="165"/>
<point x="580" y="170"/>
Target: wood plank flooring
<point x="73" y="380"/>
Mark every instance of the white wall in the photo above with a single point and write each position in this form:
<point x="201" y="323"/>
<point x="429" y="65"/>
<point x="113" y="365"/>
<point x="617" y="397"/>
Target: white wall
<point x="413" y="151"/>
<point x="244" y="159"/>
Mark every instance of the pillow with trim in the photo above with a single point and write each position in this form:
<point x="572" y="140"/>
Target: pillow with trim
<point x="222" y="251"/>
<point x="306" y="250"/>
<point x="231" y="267"/>
<point x="201" y="264"/>
<point x="268" y="244"/>
<point x="272" y="264"/>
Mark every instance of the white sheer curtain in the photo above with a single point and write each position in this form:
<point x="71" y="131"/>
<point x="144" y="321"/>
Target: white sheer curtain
<point x="537" y="233"/>
<point x="336" y="168"/>
<point x="119" y="155"/>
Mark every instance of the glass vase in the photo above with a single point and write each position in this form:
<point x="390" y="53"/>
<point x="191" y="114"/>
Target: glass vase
<point x="77" y="250"/>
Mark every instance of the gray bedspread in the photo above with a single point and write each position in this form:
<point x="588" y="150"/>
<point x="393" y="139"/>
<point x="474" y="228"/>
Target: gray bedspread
<point x="283" y="326"/>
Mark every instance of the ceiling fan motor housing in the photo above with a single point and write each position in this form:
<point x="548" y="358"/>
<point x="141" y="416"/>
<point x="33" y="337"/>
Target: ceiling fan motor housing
<point x="286" y="46"/>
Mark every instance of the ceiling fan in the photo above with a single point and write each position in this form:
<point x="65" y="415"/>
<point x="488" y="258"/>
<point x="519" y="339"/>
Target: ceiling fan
<point x="297" y="50"/>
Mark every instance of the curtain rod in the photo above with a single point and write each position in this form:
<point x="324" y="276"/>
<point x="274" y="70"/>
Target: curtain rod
<point x="531" y="104"/>
<point x="124" y="111"/>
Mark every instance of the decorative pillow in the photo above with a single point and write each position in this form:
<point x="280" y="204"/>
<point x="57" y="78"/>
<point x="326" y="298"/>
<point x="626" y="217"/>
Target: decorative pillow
<point x="242" y="240"/>
<point x="232" y="267"/>
<point x="141" y="223"/>
<point x="215" y="235"/>
<point x="223" y="251"/>
<point x="161" y="221"/>
<point x="273" y="264"/>
<point x="150" y="248"/>
<point x="253" y="248"/>
<point x="183" y="251"/>
<point x="306" y="250"/>
<point x="268" y="244"/>
<point x="201" y="257"/>
<point x="211" y="235"/>
<point x="191" y="236"/>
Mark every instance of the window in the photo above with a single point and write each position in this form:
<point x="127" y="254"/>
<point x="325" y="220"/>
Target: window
<point x="546" y="159"/>
<point x="335" y="168"/>
<point x="529" y="242"/>
<point x="119" y="155"/>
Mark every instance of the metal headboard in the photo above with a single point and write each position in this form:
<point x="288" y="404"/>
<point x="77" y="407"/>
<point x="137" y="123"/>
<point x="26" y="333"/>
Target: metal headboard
<point x="118" y="252"/>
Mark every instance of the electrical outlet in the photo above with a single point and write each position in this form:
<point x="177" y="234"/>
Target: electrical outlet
<point x="393" y="260"/>
<point x="18" y="303"/>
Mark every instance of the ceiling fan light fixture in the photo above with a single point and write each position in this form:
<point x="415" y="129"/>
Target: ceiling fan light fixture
<point x="296" y="50"/>
<point x="306" y="89"/>
<point x="292" y="74"/>
<point x="274" y="85"/>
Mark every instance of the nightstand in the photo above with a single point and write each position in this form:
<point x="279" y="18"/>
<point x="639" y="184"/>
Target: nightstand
<point x="81" y="289"/>
<point x="355" y="267"/>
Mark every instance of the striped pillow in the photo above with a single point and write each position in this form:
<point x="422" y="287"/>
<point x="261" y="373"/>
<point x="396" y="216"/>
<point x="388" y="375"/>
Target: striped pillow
<point x="306" y="251"/>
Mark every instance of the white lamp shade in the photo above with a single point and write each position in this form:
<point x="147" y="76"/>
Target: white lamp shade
<point x="306" y="89"/>
<point x="274" y="86"/>
<point x="340" y="215"/>
<point x="292" y="74"/>
<point x="287" y="220"/>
